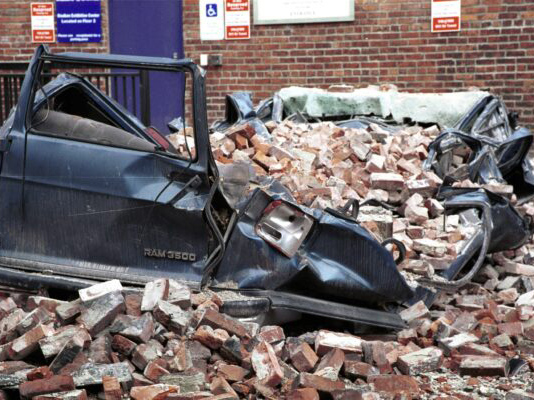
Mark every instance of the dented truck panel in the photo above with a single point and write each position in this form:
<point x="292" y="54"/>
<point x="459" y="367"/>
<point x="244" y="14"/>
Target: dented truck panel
<point x="509" y="229"/>
<point x="93" y="210"/>
<point x="491" y="145"/>
<point x="339" y="260"/>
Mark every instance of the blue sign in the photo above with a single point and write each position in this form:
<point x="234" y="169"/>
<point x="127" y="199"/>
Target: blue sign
<point x="79" y="21"/>
<point x="211" y="10"/>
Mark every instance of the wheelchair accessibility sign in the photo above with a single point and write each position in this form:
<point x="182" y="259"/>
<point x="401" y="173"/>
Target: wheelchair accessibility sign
<point x="212" y="20"/>
<point x="211" y="10"/>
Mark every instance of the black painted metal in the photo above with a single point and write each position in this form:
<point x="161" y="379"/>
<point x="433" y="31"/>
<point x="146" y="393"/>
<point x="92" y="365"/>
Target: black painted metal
<point x="331" y="309"/>
<point x="76" y="208"/>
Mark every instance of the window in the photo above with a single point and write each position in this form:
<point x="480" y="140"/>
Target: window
<point x="106" y="107"/>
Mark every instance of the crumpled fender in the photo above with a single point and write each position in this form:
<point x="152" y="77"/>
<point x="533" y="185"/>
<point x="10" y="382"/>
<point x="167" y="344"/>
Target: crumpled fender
<point x="338" y="260"/>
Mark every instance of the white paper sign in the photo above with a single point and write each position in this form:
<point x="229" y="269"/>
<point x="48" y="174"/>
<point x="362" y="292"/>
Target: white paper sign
<point x="270" y="12"/>
<point x="211" y="19"/>
<point x="237" y="19"/>
<point x="42" y="19"/>
<point x="446" y="15"/>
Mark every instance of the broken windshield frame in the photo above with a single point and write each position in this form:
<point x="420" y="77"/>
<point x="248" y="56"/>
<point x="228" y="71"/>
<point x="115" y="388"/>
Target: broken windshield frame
<point x="83" y="60"/>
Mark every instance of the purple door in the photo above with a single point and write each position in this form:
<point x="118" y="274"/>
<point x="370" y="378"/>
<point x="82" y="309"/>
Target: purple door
<point x="152" y="28"/>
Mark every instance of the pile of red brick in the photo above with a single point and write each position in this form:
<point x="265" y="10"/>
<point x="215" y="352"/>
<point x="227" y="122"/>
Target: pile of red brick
<point x="324" y="165"/>
<point x="170" y="343"/>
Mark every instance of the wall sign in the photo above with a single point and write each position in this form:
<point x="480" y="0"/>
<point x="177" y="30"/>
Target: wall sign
<point x="271" y="12"/>
<point x="42" y="17"/>
<point x="211" y="19"/>
<point x="446" y="15"/>
<point x="237" y="19"/>
<point x="79" y="21"/>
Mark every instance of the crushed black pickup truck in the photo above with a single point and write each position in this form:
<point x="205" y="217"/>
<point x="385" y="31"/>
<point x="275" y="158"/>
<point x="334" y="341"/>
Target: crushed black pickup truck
<point x="88" y="193"/>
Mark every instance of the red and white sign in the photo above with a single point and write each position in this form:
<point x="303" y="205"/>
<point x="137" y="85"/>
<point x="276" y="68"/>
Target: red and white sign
<point x="43" y="30"/>
<point x="237" y="19"/>
<point x="446" y="15"/>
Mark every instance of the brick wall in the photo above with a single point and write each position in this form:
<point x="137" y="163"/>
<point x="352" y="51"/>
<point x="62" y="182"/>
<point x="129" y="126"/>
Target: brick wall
<point x="15" y="32"/>
<point x="390" y="42"/>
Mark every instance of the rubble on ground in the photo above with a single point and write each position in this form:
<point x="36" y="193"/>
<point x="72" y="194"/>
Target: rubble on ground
<point x="324" y="165"/>
<point x="477" y="331"/>
<point x="182" y="347"/>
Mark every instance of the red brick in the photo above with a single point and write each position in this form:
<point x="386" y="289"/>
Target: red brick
<point x="123" y="345"/>
<point x="216" y="320"/>
<point x="271" y="334"/>
<point x="303" y="357"/>
<point x="266" y="365"/>
<point x="331" y="364"/>
<point x="483" y="366"/>
<point x="39" y="373"/>
<point x="112" y="388"/>
<point x="307" y="380"/>
<point x="232" y="373"/>
<point x="303" y="394"/>
<point x="154" y="371"/>
<point x="394" y="384"/>
<point x="58" y="383"/>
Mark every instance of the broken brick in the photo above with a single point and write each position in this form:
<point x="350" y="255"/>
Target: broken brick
<point x="140" y="329"/>
<point x="112" y="388"/>
<point x="303" y="357"/>
<point x="99" y="290"/>
<point x="179" y="295"/>
<point x="483" y="366"/>
<point x="152" y="391"/>
<point x="123" y="345"/>
<point x="100" y="350"/>
<point x="232" y="373"/>
<point x="271" y="334"/>
<point x="394" y="384"/>
<point x="331" y="364"/>
<point x="319" y="383"/>
<point x="303" y="394"/>
<point x="101" y="312"/>
<point x="67" y="354"/>
<point x="70" y="395"/>
<point x="93" y="374"/>
<point x="326" y="341"/>
<point x="219" y="386"/>
<point x="266" y="365"/>
<point x="39" y="316"/>
<point x="39" y="373"/>
<point x="418" y="362"/>
<point x="154" y="371"/>
<point x="354" y="368"/>
<point x="387" y="181"/>
<point x="451" y="343"/>
<point x="67" y="312"/>
<point x="418" y="310"/>
<point x="29" y="342"/>
<point x="217" y="320"/>
<point x="58" y="383"/>
<point x="154" y="291"/>
<point x="146" y="352"/>
<point x="52" y="345"/>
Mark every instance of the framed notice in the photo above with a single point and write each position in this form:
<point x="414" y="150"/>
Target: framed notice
<point x="446" y="15"/>
<point x="211" y="19"/>
<point x="79" y="21"/>
<point x="237" y="19"/>
<point x="271" y="12"/>
<point x="42" y="17"/>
